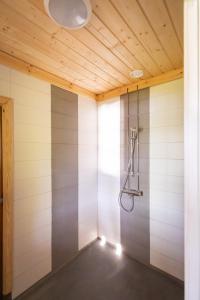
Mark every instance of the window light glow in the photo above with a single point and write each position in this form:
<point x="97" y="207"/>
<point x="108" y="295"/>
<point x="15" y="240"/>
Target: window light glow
<point x="118" y="250"/>
<point x="109" y="138"/>
<point x="103" y="241"/>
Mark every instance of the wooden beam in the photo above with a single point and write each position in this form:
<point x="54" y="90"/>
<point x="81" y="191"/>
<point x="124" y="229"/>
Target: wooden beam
<point x="141" y="84"/>
<point x="22" y="66"/>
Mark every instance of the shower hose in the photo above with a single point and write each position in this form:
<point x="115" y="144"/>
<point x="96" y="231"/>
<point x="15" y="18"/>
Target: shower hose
<point x="128" y="173"/>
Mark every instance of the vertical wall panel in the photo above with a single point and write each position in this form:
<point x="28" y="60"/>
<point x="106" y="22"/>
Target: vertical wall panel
<point x="192" y="147"/>
<point x="166" y="178"/>
<point x="32" y="176"/>
<point x="109" y="169"/>
<point x="87" y="168"/>
<point x="135" y="237"/>
<point x="64" y="176"/>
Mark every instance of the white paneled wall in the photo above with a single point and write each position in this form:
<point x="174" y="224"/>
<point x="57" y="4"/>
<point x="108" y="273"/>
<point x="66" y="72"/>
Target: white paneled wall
<point x="166" y="178"/>
<point x="109" y="169"/>
<point x="192" y="147"/>
<point x="32" y="176"/>
<point x="87" y="168"/>
<point x="98" y="208"/>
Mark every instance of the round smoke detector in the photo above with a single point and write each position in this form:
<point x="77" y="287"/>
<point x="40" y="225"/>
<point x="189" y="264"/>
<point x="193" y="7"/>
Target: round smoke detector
<point x="71" y="14"/>
<point x="136" y="74"/>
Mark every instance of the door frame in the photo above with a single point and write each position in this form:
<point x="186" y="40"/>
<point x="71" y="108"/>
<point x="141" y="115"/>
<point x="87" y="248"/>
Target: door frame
<point x="7" y="153"/>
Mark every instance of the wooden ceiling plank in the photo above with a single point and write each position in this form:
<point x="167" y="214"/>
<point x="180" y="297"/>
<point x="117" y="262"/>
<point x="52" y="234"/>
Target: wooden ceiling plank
<point x="100" y="31"/>
<point x="100" y="56"/>
<point x="87" y="65"/>
<point x="19" y="65"/>
<point x="93" y="44"/>
<point x="157" y="15"/>
<point x="141" y="84"/>
<point x="140" y="26"/>
<point x="97" y="60"/>
<point x="96" y="46"/>
<point x="175" y="9"/>
<point x="14" y="42"/>
<point x="108" y="14"/>
<point x="37" y="55"/>
<point x="38" y="3"/>
<point x="14" y="48"/>
<point x="31" y="10"/>
<point x="20" y="29"/>
<point x="90" y="69"/>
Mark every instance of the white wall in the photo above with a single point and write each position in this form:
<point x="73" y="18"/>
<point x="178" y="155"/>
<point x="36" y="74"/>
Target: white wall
<point x="192" y="148"/>
<point x="109" y="169"/>
<point x="87" y="169"/>
<point x="166" y="178"/>
<point x="32" y="150"/>
<point x="32" y="176"/>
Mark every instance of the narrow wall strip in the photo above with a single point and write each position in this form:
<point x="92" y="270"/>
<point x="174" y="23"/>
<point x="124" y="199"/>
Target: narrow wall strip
<point x="64" y="176"/>
<point x="135" y="232"/>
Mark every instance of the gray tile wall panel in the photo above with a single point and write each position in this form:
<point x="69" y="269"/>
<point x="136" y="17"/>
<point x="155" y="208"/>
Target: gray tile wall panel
<point x="135" y="228"/>
<point x="64" y="122"/>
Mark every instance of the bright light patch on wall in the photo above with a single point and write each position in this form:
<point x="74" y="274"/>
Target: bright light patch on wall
<point x="118" y="250"/>
<point x="109" y="137"/>
<point x="109" y="169"/>
<point x="103" y="241"/>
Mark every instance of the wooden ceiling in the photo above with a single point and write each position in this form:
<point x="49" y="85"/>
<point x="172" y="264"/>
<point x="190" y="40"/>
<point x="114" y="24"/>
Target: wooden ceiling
<point x="122" y="35"/>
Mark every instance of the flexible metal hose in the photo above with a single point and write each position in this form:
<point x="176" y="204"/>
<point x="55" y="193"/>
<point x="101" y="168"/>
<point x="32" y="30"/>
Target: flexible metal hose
<point x="120" y="200"/>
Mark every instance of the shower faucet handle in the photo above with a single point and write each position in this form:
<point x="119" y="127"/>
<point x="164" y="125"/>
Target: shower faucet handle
<point x="132" y="192"/>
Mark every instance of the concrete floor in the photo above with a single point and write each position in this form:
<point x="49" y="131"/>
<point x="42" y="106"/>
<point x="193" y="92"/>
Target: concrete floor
<point x="98" y="274"/>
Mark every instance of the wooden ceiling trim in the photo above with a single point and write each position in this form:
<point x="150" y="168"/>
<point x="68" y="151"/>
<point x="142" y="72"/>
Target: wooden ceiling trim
<point x="104" y="10"/>
<point x="161" y="23"/>
<point x="14" y="49"/>
<point x="103" y="34"/>
<point x="174" y="8"/>
<point x="21" y="47"/>
<point x="31" y="11"/>
<point x="26" y="68"/>
<point x="132" y="13"/>
<point x="141" y="84"/>
<point x="22" y="30"/>
<point x="22" y="66"/>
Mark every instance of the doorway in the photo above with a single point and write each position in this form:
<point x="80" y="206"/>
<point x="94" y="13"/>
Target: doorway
<point x="6" y="195"/>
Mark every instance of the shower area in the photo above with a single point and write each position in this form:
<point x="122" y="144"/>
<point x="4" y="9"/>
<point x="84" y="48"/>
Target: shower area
<point x="116" y="221"/>
<point x="140" y="179"/>
<point x="134" y="174"/>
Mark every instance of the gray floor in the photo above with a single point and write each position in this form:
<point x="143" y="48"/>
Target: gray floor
<point x="98" y="274"/>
